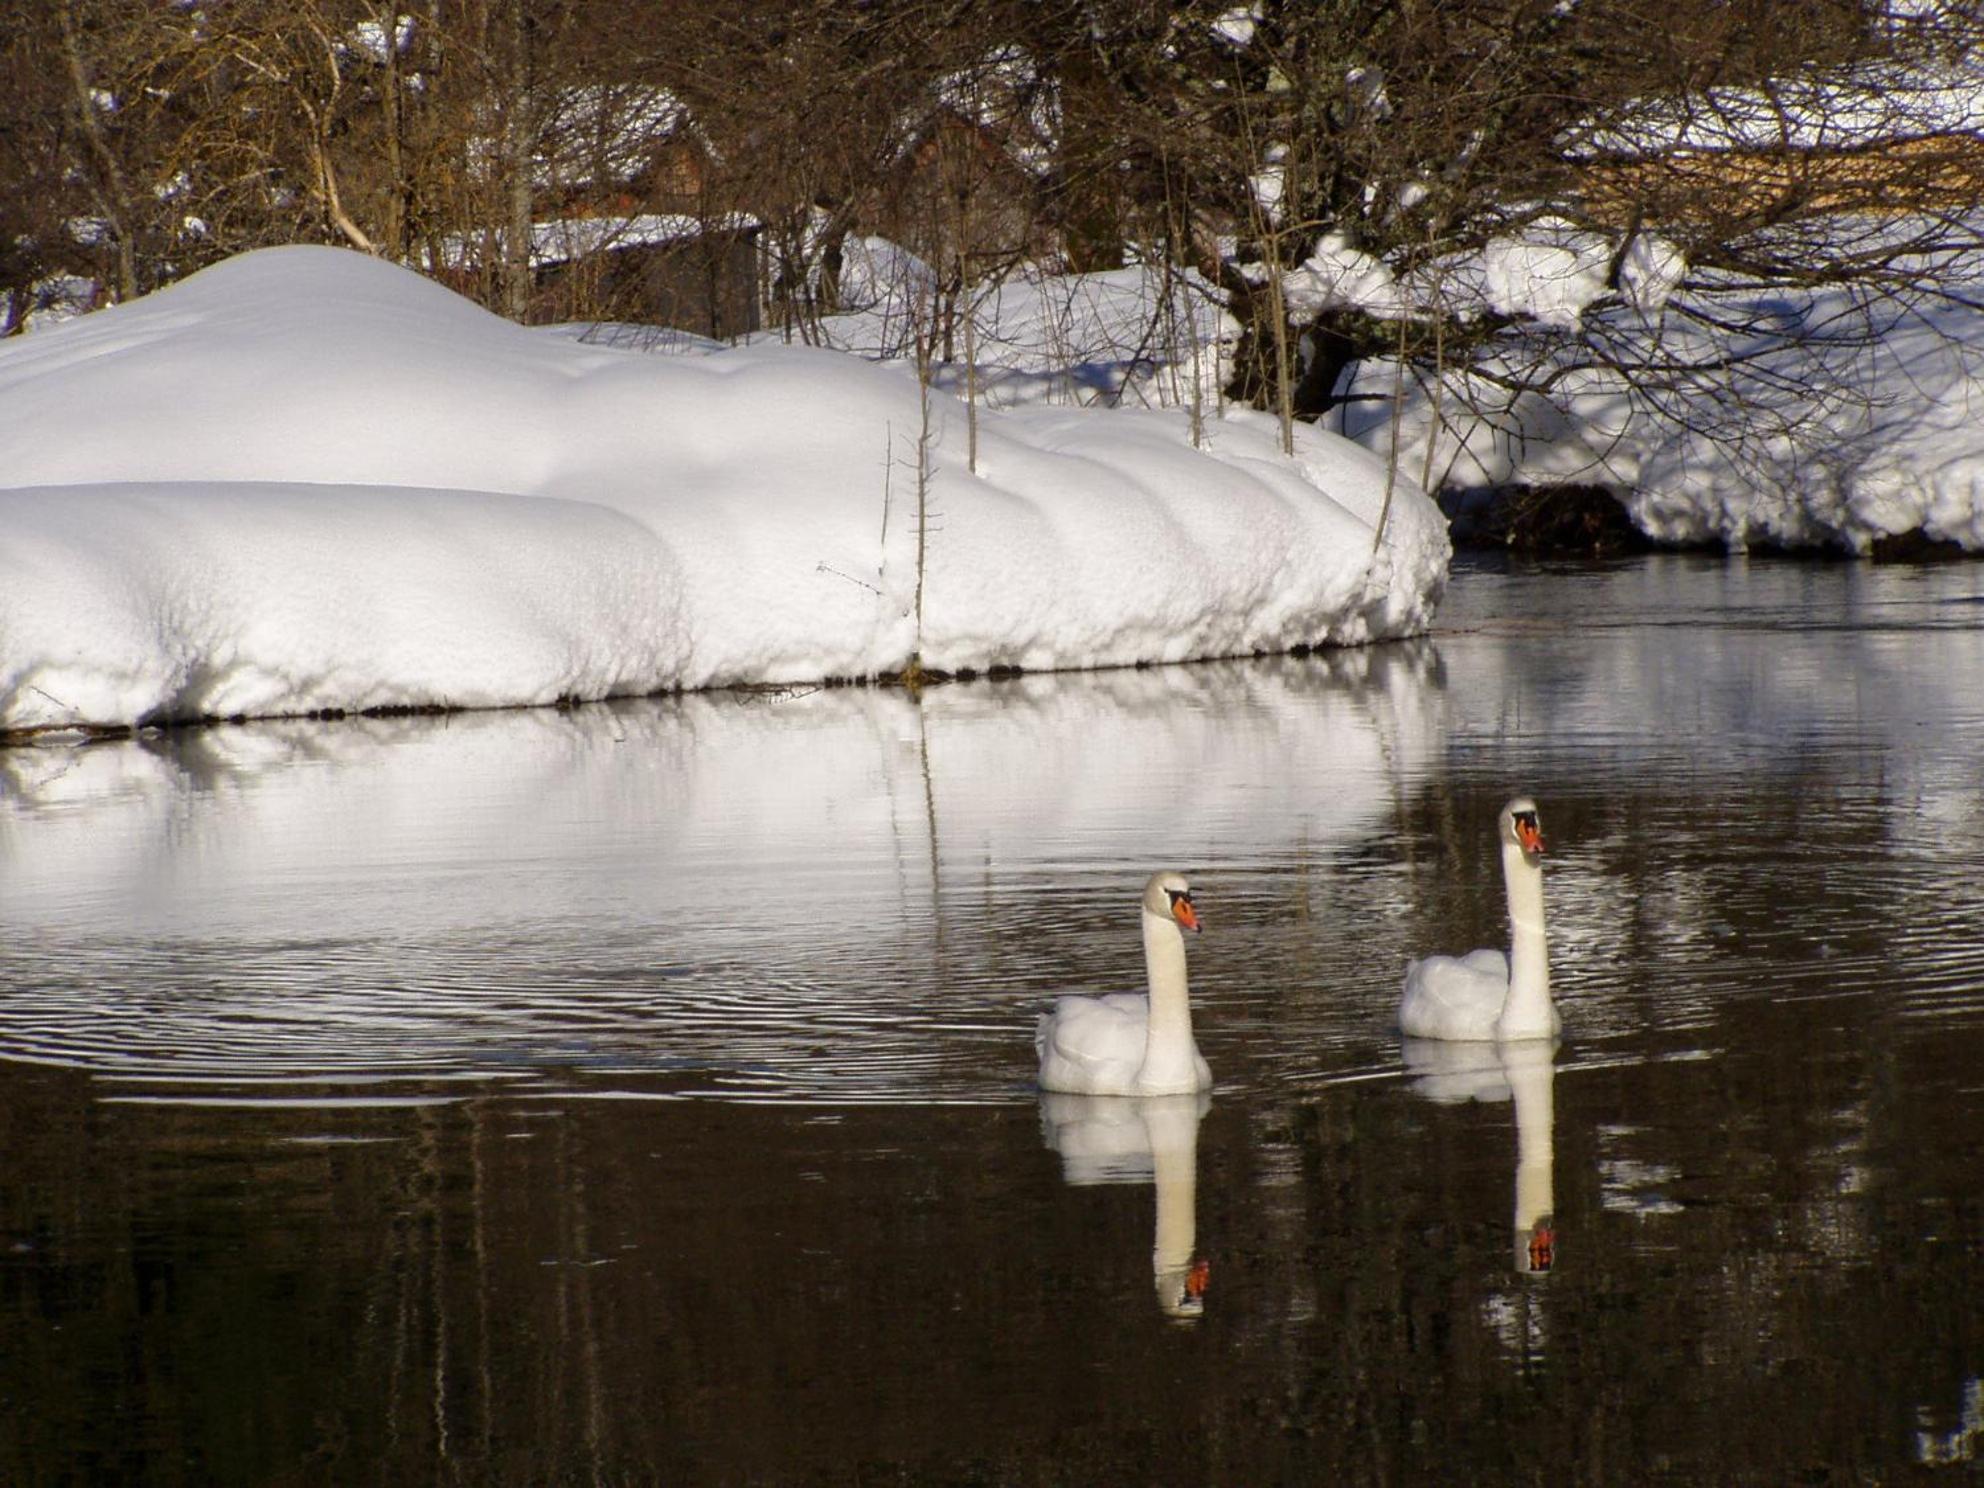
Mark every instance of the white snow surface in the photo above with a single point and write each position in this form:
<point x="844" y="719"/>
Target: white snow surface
<point x="1550" y="272"/>
<point x="305" y="479"/>
<point x="1338" y="274"/>
<point x="1829" y="109"/>
<point x="1801" y="445"/>
<point x="1902" y="451"/>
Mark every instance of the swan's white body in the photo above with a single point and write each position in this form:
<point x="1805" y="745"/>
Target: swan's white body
<point x="1127" y="1043"/>
<point x="1486" y="994"/>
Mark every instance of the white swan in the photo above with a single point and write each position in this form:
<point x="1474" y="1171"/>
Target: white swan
<point x="1128" y="1043"/>
<point x="1486" y="994"/>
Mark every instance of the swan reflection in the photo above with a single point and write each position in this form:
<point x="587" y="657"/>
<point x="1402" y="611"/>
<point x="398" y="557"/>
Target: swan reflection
<point x="1149" y="1139"/>
<point x="1963" y="1444"/>
<point x="1523" y="1071"/>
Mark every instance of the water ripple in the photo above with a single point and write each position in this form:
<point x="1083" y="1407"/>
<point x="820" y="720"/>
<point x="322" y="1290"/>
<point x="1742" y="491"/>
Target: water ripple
<point x="1761" y="807"/>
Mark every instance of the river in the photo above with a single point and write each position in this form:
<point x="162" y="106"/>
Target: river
<point x="644" y="1092"/>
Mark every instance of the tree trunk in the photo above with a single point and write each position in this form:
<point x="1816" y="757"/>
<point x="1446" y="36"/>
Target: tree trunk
<point x="112" y="196"/>
<point x="516" y="186"/>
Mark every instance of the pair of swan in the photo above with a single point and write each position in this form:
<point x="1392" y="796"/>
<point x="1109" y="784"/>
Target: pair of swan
<point x="1141" y="1044"/>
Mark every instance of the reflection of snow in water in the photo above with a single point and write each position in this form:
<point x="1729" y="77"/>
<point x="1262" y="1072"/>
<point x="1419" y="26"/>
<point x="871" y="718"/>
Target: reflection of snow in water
<point x="1632" y="1185"/>
<point x="1696" y="662"/>
<point x="804" y="894"/>
<point x="1629" y="1187"/>
<point x="1520" y="1322"/>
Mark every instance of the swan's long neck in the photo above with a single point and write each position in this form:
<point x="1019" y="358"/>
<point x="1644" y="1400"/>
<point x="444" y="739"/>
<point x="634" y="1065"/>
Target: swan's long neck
<point x="1527" y="1012"/>
<point x="1168" y="1048"/>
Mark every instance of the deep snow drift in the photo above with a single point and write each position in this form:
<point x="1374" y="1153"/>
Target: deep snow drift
<point x="1817" y="419"/>
<point x="305" y="479"/>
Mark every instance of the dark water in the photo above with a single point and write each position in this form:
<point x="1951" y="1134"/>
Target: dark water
<point x="643" y="1094"/>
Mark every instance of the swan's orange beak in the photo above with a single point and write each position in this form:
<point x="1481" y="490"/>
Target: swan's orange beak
<point x="1529" y="835"/>
<point x="1198" y="1278"/>
<point x="1183" y="913"/>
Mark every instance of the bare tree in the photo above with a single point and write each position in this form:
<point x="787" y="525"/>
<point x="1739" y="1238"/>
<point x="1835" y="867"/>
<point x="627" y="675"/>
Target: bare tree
<point x="1220" y="145"/>
<point x="1417" y="137"/>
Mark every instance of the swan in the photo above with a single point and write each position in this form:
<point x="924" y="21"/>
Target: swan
<point x="1128" y="1043"/>
<point x="1486" y="994"/>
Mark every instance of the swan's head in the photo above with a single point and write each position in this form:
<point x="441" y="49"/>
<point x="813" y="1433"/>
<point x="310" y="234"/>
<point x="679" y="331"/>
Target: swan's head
<point x="1523" y="828"/>
<point x="1169" y="897"/>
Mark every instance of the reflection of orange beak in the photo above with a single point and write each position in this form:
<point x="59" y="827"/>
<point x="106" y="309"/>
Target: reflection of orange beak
<point x="1530" y="838"/>
<point x="1198" y="1278"/>
<point x="1184" y="914"/>
<point x="1542" y="1248"/>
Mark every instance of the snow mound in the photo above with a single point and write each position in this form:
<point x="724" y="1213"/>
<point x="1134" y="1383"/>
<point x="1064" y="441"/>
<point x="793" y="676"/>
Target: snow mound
<point x="1896" y="449"/>
<point x="305" y="479"/>
<point x="1550" y="273"/>
<point x="1818" y="420"/>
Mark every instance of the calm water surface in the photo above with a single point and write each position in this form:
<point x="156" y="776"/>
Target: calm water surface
<point x="644" y="1093"/>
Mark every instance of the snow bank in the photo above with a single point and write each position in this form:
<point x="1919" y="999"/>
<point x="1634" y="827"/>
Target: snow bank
<point x="305" y="479"/>
<point x="1549" y="273"/>
<point x="1834" y="423"/>
<point x="1888" y="442"/>
<point x="1135" y="336"/>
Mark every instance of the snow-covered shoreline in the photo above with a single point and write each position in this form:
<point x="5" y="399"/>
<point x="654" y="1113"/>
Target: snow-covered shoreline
<point x="309" y="481"/>
<point x="1825" y="420"/>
